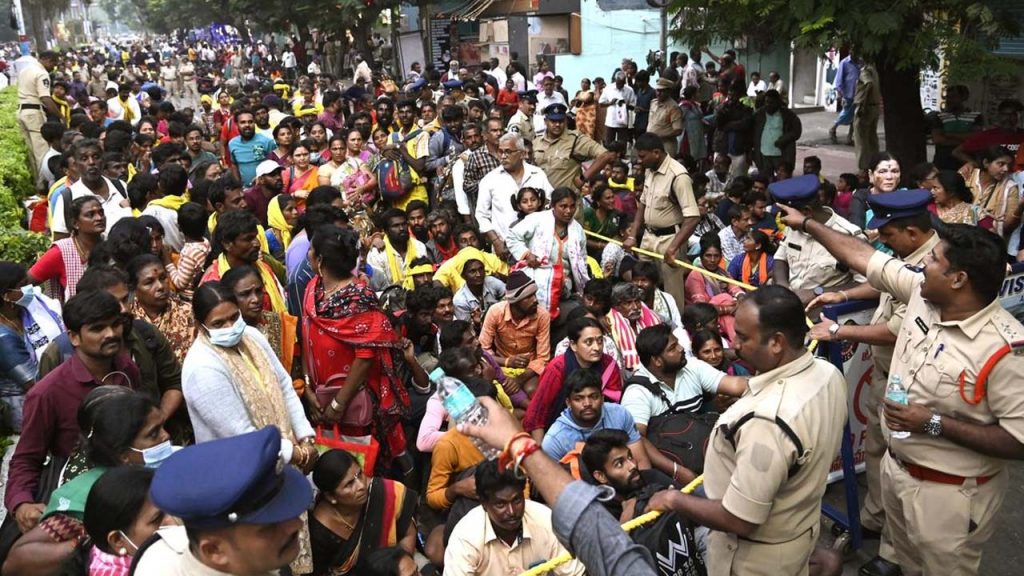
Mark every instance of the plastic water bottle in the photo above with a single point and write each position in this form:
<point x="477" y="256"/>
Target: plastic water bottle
<point x="895" y="392"/>
<point x="464" y="408"/>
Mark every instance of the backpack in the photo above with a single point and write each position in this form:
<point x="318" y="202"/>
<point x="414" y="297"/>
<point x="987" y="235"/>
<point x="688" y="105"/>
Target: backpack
<point x="394" y="177"/>
<point x="670" y="538"/>
<point x="680" y="435"/>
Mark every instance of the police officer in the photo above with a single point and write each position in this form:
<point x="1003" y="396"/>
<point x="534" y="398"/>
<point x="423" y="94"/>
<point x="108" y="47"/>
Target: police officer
<point x="521" y="123"/>
<point x="561" y="153"/>
<point x="769" y="454"/>
<point x="666" y="210"/>
<point x="241" y="506"/>
<point x="944" y="483"/>
<point x="904" y="225"/>
<point x="34" y="103"/>
<point x="801" y="263"/>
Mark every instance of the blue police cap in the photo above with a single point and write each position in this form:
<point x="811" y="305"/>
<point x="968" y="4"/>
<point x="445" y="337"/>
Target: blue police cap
<point x="453" y="84"/>
<point x="238" y="480"/>
<point x="418" y="84"/>
<point x="530" y="95"/>
<point x="796" y="192"/>
<point x="555" y="111"/>
<point x="899" y="204"/>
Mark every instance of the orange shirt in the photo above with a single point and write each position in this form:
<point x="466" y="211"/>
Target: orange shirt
<point x="502" y="336"/>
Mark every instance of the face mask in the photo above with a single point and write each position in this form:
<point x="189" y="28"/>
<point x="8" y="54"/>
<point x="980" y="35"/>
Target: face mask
<point x="228" y="337"/>
<point x="129" y="540"/>
<point x="155" y="455"/>
<point x="27" y="296"/>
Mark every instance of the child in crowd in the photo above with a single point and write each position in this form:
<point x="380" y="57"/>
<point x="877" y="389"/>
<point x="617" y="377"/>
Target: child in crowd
<point x="192" y="222"/>
<point x="845" y="187"/>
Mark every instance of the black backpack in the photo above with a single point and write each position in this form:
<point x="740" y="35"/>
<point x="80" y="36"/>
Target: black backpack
<point x="680" y="435"/>
<point x="670" y="539"/>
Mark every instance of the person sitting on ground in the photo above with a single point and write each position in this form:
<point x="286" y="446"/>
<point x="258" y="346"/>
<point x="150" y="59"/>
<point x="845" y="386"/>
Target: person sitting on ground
<point x="586" y="412"/>
<point x="754" y="266"/>
<point x="518" y="333"/>
<point x="647" y="277"/>
<point x="628" y="316"/>
<point x="586" y="341"/>
<point x="506" y="534"/>
<point x="479" y="293"/>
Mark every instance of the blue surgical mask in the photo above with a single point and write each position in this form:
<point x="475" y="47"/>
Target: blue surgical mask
<point x="155" y="455"/>
<point x="28" y="294"/>
<point x="228" y="337"/>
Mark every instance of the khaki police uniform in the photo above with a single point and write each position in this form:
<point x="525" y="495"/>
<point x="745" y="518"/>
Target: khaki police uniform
<point x="170" y="556"/>
<point x="667" y="198"/>
<point x="33" y="86"/>
<point x="810" y="264"/>
<point x="664" y="119"/>
<point x="522" y="125"/>
<point x="890" y="312"/>
<point x="561" y="158"/>
<point x="941" y="498"/>
<point x="764" y="477"/>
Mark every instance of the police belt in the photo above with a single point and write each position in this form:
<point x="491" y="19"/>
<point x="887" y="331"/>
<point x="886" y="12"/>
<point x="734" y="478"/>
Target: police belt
<point x="931" y="475"/>
<point x="661" y="231"/>
<point x="30" y="106"/>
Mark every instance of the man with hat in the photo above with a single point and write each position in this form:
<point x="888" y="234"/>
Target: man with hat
<point x="34" y="103"/>
<point x="244" y="519"/>
<point x="517" y="332"/>
<point x="267" y="185"/>
<point x="665" y="118"/>
<point x="521" y="123"/>
<point x="546" y="98"/>
<point x="904" y="225"/>
<point x="666" y="209"/>
<point x="801" y="263"/>
<point x="561" y="153"/>
<point x="944" y="483"/>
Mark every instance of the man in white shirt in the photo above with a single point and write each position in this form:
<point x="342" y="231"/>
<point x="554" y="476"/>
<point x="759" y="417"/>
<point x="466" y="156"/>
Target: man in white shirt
<point x="289" y="63"/>
<point x="619" y="102"/>
<point x="756" y="85"/>
<point x="113" y="194"/>
<point x="497" y="73"/>
<point x="506" y="534"/>
<point x="546" y="98"/>
<point x="692" y="72"/>
<point x="494" y="211"/>
<point x="124" y="107"/>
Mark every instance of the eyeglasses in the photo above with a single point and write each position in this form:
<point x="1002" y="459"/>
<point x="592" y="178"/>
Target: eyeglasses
<point x="507" y="152"/>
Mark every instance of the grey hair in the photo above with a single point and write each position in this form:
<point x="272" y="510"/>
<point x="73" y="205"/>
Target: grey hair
<point x="515" y="139"/>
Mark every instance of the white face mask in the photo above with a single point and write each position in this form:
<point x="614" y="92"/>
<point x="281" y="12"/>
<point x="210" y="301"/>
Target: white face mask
<point x="228" y="337"/>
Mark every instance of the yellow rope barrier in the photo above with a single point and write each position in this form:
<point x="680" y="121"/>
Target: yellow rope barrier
<point x="687" y="265"/>
<point x="550" y="565"/>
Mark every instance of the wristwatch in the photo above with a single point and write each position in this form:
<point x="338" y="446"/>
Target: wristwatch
<point x="833" y="331"/>
<point x="933" y="427"/>
<point x="819" y="291"/>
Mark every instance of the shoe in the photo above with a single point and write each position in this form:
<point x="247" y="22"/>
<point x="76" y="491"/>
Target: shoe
<point x="832" y="135"/>
<point x="879" y="566"/>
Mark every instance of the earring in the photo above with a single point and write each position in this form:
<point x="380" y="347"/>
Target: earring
<point x="122" y="551"/>
<point x="333" y="502"/>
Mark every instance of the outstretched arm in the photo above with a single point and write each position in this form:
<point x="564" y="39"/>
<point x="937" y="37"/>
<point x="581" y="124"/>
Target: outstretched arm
<point x="848" y="250"/>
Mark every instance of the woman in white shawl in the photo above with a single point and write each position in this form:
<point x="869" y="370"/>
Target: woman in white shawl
<point x="552" y="249"/>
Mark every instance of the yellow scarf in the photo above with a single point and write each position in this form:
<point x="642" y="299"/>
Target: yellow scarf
<point x="65" y="110"/>
<point x="171" y="201"/>
<point x="211" y="225"/>
<point x="128" y="115"/>
<point x="275" y="217"/>
<point x="410" y="254"/>
<point x="270" y="284"/>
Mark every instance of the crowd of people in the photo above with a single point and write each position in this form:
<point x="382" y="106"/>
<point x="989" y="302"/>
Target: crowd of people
<point x="293" y="261"/>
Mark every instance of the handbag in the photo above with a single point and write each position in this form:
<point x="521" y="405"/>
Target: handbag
<point x="363" y="448"/>
<point x="358" y="411"/>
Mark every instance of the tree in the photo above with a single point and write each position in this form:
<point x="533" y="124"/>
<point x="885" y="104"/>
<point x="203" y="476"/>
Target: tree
<point x="900" y="38"/>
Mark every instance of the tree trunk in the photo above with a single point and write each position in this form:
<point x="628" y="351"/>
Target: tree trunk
<point x="36" y="26"/>
<point x="361" y="34"/>
<point x="902" y="114"/>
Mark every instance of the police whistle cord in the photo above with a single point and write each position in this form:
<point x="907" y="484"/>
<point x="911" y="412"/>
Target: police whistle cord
<point x="550" y="565"/>
<point x="688" y="266"/>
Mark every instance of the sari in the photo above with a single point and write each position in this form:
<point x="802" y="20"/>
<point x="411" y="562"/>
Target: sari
<point x="300" y="185"/>
<point x="386" y="517"/>
<point x="349" y="324"/>
<point x="586" y="112"/>
<point x="281" y="332"/>
<point x="177" y="324"/>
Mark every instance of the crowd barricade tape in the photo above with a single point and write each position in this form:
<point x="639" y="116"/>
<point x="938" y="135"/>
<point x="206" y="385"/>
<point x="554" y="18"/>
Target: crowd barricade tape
<point x="688" y="266"/>
<point x="550" y="565"/>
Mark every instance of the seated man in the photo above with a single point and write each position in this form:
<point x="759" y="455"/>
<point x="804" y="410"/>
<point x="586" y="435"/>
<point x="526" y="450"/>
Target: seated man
<point x="647" y="277"/>
<point x="506" y="534"/>
<point x="478" y="294"/>
<point x="667" y="380"/>
<point x="585" y="413"/>
<point x="629" y="315"/>
<point x="392" y="262"/>
<point x="802" y="264"/>
<point x="517" y="332"/>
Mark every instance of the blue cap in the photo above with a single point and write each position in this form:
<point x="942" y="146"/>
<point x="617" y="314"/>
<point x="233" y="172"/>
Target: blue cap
<point x="898" y="204"/>
<point x="796" y="192"/>
<point x="418" y="84"/>
<point x="556" y="111"/>
<point x="453" y="84"/>
<point x="530" y="95"/>
<point x="245" y="482"/>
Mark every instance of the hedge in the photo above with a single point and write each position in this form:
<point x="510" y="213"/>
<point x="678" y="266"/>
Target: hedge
<point x="16" y="244"/>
